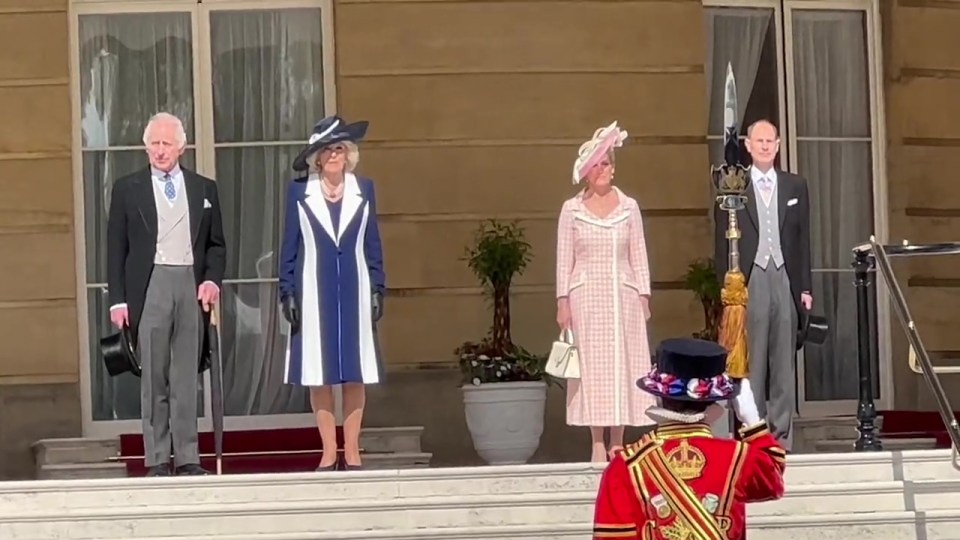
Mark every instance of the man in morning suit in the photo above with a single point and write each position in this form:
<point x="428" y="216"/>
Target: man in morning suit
<point x="775" y="259"/>
<point x="165" y="262"/>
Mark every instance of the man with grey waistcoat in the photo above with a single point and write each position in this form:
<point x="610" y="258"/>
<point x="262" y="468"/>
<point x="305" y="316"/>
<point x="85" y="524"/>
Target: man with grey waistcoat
<point x="775" y="258"/>
<point x="166" y="256"/>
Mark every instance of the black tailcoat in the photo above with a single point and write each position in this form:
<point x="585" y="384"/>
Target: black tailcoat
<point x="132" y="241"/>
<point x="793" y="199"/>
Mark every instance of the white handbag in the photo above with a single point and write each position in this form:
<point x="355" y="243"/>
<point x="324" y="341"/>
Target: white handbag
<point x="564" y="359"/>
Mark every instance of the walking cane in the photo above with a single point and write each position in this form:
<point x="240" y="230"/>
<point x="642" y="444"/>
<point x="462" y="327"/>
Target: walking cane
<point x="216" y="384"/>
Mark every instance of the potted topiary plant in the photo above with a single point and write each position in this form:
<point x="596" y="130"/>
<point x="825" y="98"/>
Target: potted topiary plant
<point x="504" y="385"/>
<point x="701" y="278"/>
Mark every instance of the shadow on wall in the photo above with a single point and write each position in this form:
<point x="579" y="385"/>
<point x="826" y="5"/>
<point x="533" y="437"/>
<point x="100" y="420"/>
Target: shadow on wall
<point x="432" y="399"/>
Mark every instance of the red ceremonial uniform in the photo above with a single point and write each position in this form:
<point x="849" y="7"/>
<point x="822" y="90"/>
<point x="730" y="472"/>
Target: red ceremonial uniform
<point x="681" y="483"/>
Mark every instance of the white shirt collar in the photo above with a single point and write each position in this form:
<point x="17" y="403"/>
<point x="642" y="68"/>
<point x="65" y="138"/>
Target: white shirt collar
<point x="756" y="175"/>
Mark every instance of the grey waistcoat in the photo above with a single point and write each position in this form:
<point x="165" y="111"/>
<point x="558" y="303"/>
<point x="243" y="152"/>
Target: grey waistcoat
<point x="769" y="229"/>
<point x="174" y="247"/>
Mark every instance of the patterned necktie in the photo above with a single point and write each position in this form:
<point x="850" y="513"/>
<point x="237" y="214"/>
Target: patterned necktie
<point x="168" y="188"/>
<point x="765" y="184"/>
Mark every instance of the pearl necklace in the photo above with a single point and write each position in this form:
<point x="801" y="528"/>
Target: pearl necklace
<point x="334" y="193"/>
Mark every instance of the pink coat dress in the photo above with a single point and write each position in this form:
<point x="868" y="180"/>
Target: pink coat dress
<point x="602" y="268"/>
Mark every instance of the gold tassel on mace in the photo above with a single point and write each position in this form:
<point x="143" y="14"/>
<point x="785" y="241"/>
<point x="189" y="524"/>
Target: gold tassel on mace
<point x="733" y="324"/>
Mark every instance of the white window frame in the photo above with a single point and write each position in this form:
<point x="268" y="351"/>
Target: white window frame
<point x="785" y="70"/>
<point x="203" y="142"/>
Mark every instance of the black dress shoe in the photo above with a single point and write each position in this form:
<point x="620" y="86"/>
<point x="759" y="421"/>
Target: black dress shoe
<point x="191" y="469"/>
<point x="158" y="470"/>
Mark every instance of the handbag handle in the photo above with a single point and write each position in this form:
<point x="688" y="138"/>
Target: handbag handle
<point x="566" y="336"/>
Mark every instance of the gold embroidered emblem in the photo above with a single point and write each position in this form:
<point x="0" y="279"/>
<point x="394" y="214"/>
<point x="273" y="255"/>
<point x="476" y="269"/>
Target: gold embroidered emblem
<point x="686" y="461"/>
<point x="676" y="531"/>
<point x="724" y="523"/>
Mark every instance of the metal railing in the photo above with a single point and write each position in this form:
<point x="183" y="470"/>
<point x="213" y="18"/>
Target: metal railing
<point x="866" y="255"/>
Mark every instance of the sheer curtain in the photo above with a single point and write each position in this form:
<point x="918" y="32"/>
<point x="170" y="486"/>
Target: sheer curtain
<point x="735" y="36"/>
<point x="131" y="65"/>
<point x="267" y="80"/>
<point x="267" y="68"/>
<point x="834" y="155"/>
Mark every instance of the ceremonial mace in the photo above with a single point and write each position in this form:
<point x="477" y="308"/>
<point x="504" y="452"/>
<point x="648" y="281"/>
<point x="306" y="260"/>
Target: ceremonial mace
<point x="732" y="180"/>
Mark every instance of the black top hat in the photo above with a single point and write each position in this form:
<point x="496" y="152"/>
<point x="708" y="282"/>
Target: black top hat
<point x="813" y="329"/>
<point x="690" y="370"/>
<point x="331" y="129"/>
<point x="118" y="353"/>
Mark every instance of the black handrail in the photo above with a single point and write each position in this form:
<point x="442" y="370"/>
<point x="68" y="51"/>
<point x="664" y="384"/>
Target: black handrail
<point x="866" y="255"/>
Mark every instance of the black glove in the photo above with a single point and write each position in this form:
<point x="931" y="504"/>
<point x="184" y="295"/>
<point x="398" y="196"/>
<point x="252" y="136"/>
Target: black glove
<point x="291" y="313"/>
<point x="377" y="303"/>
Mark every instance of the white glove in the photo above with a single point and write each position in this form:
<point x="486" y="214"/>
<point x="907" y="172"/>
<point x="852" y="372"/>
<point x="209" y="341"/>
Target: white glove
<point x="744" y="405"/>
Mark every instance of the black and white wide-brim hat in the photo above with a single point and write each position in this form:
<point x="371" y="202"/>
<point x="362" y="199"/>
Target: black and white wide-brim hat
<point x="330" y="130"/>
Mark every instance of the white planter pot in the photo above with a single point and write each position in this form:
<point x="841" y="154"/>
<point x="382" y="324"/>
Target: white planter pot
<point x="505" y="419"/>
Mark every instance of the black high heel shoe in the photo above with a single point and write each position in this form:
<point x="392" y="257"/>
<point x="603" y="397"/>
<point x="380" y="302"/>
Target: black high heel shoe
<point x="331" y="467"/>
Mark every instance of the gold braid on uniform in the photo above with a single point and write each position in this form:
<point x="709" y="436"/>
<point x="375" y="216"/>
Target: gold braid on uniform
<point x="754" y="432"/>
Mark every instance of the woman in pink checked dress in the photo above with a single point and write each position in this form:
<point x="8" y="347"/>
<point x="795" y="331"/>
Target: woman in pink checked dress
<point x="603" y="292"/>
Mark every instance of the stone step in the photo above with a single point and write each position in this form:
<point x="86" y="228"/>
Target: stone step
<point x="830" y="428"/>
<point x="77" y="450"/>
<point x="374" y="440"/>
<point x="381" y="519"/>
<point x="883" y="526"/>
<point x="403" y="439"/>
<point x="888" y="444"/>
<point x="78" y="471"/>
<point x="116" y="469"/>
<point x="809" y="499"/>
<point x="802" y="471"/>
<point x="396" y="461"/>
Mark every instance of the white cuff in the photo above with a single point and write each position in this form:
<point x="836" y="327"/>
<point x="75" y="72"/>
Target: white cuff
<point x="117" y="306"/>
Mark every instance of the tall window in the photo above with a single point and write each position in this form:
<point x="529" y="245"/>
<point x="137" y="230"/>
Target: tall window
<point x="745" y="38"/>
<point x="248" y="83"/>
<point x="809" y="68"/>
<point x="834" y="145"/>
<point x="131" y="65"/>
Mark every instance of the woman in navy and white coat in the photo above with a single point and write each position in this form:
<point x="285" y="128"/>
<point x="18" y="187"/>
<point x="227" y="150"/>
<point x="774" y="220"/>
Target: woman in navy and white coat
<point x="332" y="283"/>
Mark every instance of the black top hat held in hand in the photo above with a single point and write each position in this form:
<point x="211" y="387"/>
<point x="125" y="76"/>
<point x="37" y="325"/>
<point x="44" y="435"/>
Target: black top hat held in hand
<point x="118" y="353"/>
<point x="813" y="330"/>
<point x="690" y="370"/>
<point x="330" y="130"/>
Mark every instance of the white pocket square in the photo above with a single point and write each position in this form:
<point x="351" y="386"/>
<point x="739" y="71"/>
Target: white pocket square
<point x="206" y="203"/>
<point x="791" y="202"/>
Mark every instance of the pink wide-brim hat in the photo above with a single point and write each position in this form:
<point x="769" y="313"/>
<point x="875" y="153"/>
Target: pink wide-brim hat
<point x="592" y="151"/>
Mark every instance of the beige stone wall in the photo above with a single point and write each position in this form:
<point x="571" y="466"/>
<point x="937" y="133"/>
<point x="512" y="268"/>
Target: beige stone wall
<point x="38" y="314"/>
<point x="922" y="72"/>
<point x="477" y="109"/>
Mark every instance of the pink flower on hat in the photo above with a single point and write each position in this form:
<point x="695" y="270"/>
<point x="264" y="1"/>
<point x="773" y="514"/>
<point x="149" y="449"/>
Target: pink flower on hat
<point x="592" y="151"/>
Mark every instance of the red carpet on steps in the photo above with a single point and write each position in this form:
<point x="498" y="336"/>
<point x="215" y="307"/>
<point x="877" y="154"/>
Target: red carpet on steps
<point x="245" y="452"/>
<point x="915" y="424"/>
